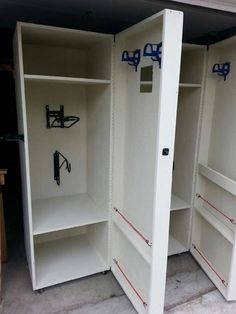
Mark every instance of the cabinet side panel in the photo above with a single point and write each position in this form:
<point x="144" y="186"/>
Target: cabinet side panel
<point x="23" y="146"/>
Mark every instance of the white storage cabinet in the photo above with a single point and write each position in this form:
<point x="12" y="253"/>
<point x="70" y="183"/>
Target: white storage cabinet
<point x="150" y="146"/>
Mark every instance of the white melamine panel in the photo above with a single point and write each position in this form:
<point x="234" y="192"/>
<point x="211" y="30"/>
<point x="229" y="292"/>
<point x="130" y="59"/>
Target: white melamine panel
<point x="192" y="64"/>
<point x="179" y="231"/>
<point x="60" y="37"/>
<point x="98" y="144"/>
<point x="24" y="150"/>
<point x="135" y="268"/>
<point x="139" y="112"/>
<point x="61" y="60"/>
<point x="98" y="237"/>
<point x="185" y="142"/>
<point x="219" y="202"/>
<point x="175" y="247"/>
<point x="135" y="239"/>
<point x="55" y="61"/>
<point x="177" y="203"/>
<point x="63" y="79"/>
<point x="220" y="227"/>
<point x="43" y="142"/>
<point x="222" y="148"/>
<point x="215" y="249"/>
<point x="65" y="212"/>
<point x="189" y="85"/>
<point x="66" y="259"/>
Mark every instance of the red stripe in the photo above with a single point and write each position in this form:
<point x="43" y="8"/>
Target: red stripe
<point x="129" y="282"/>
<point x="210" y="265"/>
<point x="133" y="227"/>
<point x="219" y="211"/>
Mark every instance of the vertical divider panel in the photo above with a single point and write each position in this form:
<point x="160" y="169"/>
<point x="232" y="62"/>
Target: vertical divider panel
<point x="24" y="150"/>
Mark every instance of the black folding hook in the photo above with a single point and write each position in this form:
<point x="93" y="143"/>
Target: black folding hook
<point x="58" y="166"/>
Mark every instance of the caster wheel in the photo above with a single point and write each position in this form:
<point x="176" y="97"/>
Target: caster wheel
<point x="40" y="291"/>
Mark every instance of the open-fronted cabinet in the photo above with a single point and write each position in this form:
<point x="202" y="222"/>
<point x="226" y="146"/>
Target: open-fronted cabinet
<point x="127" y="155"/>
<point x="94" y="110"/>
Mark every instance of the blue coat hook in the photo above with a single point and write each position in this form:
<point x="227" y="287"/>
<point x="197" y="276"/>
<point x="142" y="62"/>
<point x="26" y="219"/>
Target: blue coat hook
<point x="132" y="57"/>
<point x="222" y="69"/>
<point x="153" y="51"/>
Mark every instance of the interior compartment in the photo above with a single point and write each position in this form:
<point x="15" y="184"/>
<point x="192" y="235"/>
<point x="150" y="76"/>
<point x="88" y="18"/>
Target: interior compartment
<point x="185" y="153"/>
<point x="84" y="192"/>
<point x="179" y="231"/>
<point x="192" y="64"/>
<point x="51" y="52"/>
<point x="79" y="251"/>
<point x="82" y="198"/>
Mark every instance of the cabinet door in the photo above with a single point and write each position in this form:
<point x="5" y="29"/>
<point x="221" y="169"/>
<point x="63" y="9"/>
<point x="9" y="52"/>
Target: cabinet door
<point x="214" y="216"/>
<point x="145" y="102"/>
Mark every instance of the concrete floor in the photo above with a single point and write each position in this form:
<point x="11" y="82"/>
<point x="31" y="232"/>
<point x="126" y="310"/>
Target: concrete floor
<point x="188" y="291"/>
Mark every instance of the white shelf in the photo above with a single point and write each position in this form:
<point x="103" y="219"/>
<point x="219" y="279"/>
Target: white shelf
<point x="145" y="82"/>
<point x="62" y="79"/>
<point x="65" y="212"/>
<point x="177" y="203"/>
<point x="217" y="224"/>
<point x="66" y="259"/>
<point x="175" y="247"/>
<point x="218" y="178"/>
<point x="189" y="85"/>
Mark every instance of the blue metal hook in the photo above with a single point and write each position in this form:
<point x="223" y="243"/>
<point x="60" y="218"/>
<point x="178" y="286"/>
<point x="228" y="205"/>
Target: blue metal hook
<point x="132" y="57"/>
<point x="222" y="69"/>
<point x="153" y="51"/>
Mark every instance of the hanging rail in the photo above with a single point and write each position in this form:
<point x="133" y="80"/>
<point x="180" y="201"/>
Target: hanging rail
<point x="130" y="283"/>
<point x="133" y="227"/>
<point x="210" y="265"/>
<point x="219" y="211"/>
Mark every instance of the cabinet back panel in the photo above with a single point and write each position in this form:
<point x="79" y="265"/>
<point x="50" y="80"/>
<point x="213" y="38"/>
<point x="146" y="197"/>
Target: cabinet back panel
<point x="69" y="62"/>
<point x="222" y="149"/>
<point x="58" y="61"/>
<point x="43" y="142"/>
<point x="192" y="65"/>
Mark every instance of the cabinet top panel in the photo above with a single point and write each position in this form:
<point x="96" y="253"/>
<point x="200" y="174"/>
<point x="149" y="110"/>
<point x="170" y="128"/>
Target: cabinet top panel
<point x="56" y="36"/>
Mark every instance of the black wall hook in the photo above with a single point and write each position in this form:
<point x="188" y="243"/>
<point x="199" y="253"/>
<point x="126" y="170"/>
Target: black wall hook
<point x="57" y="165"/>
<point x="57" y="119"/>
